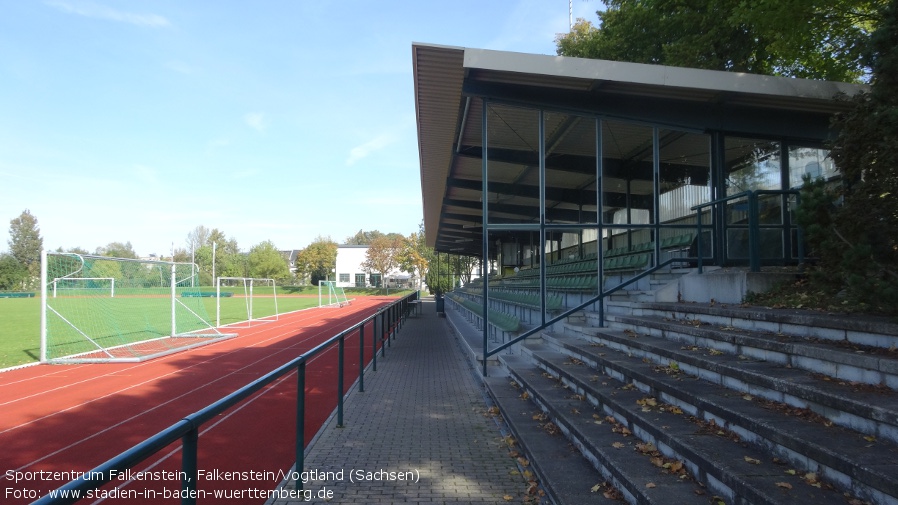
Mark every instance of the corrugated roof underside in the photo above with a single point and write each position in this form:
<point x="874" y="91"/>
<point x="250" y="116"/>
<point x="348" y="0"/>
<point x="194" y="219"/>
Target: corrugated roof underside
<point x="439" y="75"/>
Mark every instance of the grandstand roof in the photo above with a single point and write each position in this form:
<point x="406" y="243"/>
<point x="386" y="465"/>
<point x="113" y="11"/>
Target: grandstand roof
<point x="451" y="82"/>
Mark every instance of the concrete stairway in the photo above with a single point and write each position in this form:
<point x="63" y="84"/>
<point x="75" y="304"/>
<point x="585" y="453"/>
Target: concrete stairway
<point x="702" y="403"/>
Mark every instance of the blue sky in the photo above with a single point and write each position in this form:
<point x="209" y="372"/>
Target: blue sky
<point x="275" y="120"/>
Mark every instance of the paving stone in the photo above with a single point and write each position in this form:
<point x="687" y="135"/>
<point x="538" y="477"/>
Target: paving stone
<point x="423" y="411"/>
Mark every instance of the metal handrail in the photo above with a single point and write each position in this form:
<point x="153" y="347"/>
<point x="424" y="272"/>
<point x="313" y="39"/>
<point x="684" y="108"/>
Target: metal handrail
<point x="754" y="234"/>
<point x="187" y="429"/>
<point x="598" y="298"/>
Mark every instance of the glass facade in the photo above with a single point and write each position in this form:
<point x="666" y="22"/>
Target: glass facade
<point x="565" y="186"/>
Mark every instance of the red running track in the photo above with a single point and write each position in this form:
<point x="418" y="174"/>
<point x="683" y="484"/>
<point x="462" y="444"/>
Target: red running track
<point x="71" y="418"/>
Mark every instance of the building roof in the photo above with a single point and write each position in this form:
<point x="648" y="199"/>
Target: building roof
<point x="451" y="82"/>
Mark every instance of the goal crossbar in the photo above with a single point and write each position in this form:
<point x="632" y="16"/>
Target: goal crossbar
<point x="331" y="295"/>
<point x="259" y="297"/>
<point x="97" y="309"/>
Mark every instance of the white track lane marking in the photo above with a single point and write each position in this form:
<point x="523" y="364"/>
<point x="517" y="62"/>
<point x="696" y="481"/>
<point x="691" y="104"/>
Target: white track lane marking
<point x="84" y="439"/>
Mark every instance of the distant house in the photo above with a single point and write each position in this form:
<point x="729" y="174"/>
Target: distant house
<point x="351" y="273"/>
<point x="291" y="256"/>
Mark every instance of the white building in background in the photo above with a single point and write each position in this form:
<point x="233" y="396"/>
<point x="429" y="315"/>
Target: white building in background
<point x="350" y="272"/>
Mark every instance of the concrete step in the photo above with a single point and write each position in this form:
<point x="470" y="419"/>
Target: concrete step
<point x="851" y="329"/>
<point x="867" y="409"/>
<point x="836" y="359"/>
<point x="563" y="472"/>
<point x="731" y="467"/>
<point x="613" y="454"/>
<point x="863" y="465"/>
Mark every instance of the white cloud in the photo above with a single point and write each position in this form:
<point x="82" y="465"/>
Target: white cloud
<point x="96" y="11"/>
<point x="256" y="121"/>
<point x="363" y="151"/>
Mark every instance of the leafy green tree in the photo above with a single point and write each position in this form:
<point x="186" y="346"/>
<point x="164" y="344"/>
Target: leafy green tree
<point x="821" y="39"/>
<point x="413" y="257"/>
<point x="317" y="260"/>
<point x="383" y="255"/>
<point x="12" y="273"/>
<point x="858" y="242"/>
<point x="118" y="250"/>
<point x="265" y="261"/>
<point x="25" y="242"/>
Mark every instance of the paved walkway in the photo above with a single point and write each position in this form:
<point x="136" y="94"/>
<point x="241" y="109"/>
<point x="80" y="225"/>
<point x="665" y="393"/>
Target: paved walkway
<point x="422" y="416"/>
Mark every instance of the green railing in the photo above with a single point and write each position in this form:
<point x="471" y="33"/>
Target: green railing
<point x="753" y="226"/>
<point x="187" y="430"/>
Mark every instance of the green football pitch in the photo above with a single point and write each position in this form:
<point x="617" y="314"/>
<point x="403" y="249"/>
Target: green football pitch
<point x="20" y="319"/>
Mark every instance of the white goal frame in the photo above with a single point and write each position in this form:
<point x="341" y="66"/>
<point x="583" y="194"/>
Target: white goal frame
<point x="110" y="354"/>
<point x="248" y="284"/>
<point x="75" y="279"/>
<point x="333" y="294"/>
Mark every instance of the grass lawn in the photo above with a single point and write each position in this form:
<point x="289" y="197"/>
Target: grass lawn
<point x="20" y="317"/>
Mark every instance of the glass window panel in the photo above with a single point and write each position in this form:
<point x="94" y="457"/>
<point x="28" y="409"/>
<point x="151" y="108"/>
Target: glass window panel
<point x="512" y="164"/>
<point x="815" y="163"/>
<point x="570" y="168"/>
<point x="685" y="173"/>
<point x="627" y="173"/>
<point x="752" y="164"/>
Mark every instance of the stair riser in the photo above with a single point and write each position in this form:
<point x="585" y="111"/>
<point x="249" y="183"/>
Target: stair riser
<point x="818" y="364"/>
<point x="583" y="445"/>
<point x="876" y="427"/>
<point x="868" y="338"/>
<point x="798" y="460"/>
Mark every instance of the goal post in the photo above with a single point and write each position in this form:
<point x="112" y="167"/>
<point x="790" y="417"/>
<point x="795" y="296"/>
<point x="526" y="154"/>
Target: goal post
<point x="104" y="309"/>
<point x="245" y="301"/>
<point x="331" y="295"/>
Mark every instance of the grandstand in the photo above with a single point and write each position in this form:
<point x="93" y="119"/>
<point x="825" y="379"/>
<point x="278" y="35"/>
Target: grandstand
<point x="601" y="195"/>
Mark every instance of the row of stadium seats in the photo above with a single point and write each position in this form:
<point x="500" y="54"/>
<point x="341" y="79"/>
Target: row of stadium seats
<point x="501" y="320"/>
<point x="528" y="300"/>
<point x="622" y="258"/>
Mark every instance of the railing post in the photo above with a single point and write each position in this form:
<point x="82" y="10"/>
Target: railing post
<point x="374" y="341"/>
<point x="362" y="357"/>
<point x="754" y="233"/>
<point x="383" y="332"/>
<point x="340" y="354"/>
<point x="189" y="447"/>
<point x="300" y="420"/>
<point x="698" y="239"/>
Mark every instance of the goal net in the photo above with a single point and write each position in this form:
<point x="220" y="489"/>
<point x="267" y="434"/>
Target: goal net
<point x="244" y="301"/>
<point x="331" y="295"/>
<point x="102" y="309"/>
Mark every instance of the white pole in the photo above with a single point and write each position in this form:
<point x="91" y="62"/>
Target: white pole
<point x="174" y="324"/>
<point x="217" y="290"/>
<point x="44" y="305"/>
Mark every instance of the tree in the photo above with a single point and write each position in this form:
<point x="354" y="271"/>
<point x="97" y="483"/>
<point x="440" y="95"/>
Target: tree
<point x="197" y="238"/>
<point x="857" y="243"/>
<point x="265" y="261"/>
<point x="363" y="237"/>
<point x="117" y="250"/>
<point x="413" y="258"/>
<point x="317" y="260"/>
<point x="383" y="255"/>
<point x="25" y="242"/>
<point x="12" y="273"/>
<point x="819" y="39"/>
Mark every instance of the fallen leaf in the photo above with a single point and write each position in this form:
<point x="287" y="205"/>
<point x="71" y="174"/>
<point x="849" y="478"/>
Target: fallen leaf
<point x="784" y="485"/>
<point x="508" y="497"/>
<point x="597" y="487"/>
<point x="618" y="445"/>
<point x="650" y="485"/>
<point x="753" y="461"/>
